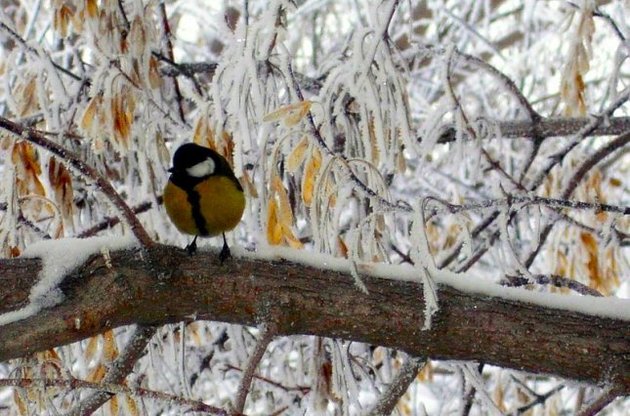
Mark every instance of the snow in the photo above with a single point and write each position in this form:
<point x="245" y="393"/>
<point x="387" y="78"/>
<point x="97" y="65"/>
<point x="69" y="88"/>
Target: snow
<point x="60" y="257"/>
<point x="605" y="307"/>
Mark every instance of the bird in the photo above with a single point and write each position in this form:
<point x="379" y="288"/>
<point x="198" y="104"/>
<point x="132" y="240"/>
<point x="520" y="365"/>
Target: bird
<point x="203" y="197"/>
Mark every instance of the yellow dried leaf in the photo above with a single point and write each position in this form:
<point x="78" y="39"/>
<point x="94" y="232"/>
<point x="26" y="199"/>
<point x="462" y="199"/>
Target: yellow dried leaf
<point x="202" y="133"/>
<point x="342" y="247"/>
<point x="155" y="79"/>
<point x="114" y="407"/>
<point x="249" y="187"/>
<point x="26" y="162"/>
<point x="132" y="406"/>
<point x="26" y="97"/>
<point x="61" y="183"/>
<point x="62" y="18"/>
<point x="91" y="7"/>
<point x="426" y="374"/>
<point x="499" y="397"/>
<point x="91" y="348"/>
<point x="20" y="403"/>
<point x="285" y="214"/>
<point x="97" y="374"/>
<point x="310" y="175"/>
<point x="614" y="182"/>
<point x="296" y="157"/>
<point x="89" y="113"/>
<point x="110" y="348"/>
<point x="228" y="147"/>
<point x="274" y="229"/>
<point x="291" y="114"/>
<point x="122" y="110"/>
<point x="592" y="259"/>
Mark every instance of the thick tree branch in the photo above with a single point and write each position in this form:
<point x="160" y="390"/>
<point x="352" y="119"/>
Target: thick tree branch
<point x="164" y="285"/>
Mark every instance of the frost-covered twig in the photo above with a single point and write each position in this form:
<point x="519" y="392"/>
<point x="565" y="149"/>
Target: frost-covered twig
<point x="553" y="280"/>
<point x="35" y="52"/>
<point x="166" y="27"/>
<point x="538" y="398"/>
<point x="301" y="389"/>
<point x="577" y="177"/>
<point x="88" y="171"/>
<point x="266" y="335"/>
<point x="109" y="222"/>
<point x="407" y="374"/>
<point x="119" y="370"/>
<point x="610" y="394"/>
<point x="111" y="389"/>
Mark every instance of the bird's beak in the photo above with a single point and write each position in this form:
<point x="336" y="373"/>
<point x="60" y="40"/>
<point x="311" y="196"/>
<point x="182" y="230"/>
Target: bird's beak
<point x="171" y="170"/>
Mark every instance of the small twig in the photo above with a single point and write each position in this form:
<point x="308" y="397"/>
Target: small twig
<point x="302" y="389"/>
<point x="610" y="394"/>
<point x="109" y="222"/>
<point x="267" y="333"/>
<point x="580" y="173"/>
<point x="111" y="389"/>
<point x="88" y="171"/>
<point x="119" y="370"/>
<point x="399" y="385"/>
<point x="553" y="280"/>
<point x="470" y="395"/>
<point x="34" y="51"/>
<point x="539" y="399"/>
<point x="169" y="50"/>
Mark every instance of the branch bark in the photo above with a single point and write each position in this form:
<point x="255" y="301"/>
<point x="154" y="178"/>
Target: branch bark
<point x="164" y="285"/>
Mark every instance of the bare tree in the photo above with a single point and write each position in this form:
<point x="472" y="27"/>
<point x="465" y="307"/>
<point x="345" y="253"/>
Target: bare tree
<point x="437" y="210"/>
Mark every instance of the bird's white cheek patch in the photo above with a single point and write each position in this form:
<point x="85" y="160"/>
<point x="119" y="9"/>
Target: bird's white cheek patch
<point x="202" y="169"/>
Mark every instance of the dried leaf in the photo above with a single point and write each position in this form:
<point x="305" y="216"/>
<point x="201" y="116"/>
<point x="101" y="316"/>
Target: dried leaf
<point x="110" y="347"/>
<point x="91" y="348"/>
<point x="114" y="407"/>
<point x="155" y="79"/>
<point x="63" y="16"/>
<point x="61" y="183"/>
<point x="28" y="169"/>
<point x="290" y="114"/>
<point x="87" y="119"/>
<point x="91" y="7"/>
<point x="122" y="112"/>
<point x="296" y="157"/>
<point x="20" y="402"/>
<point x="131" y="405"/>
<point x="310" y="175"/>
<point x="274" y="229"/>
<point x="97" y="374"/>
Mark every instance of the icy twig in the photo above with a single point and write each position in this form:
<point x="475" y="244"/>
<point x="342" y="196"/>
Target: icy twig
<point x="577" y="177"/>
<point x="399" y="385"/>
<point x="112" y="389"/>
<point x="538" y="398"/>
<point x="109" y="222"/>
<point x="553" y="280"/>
<point x="87" y="171"/>
<point x="119" y="370"/>
<point x="266" y="335"/>
<point x="301" y="389"/>
<point x="610" y="394"/>
<point x="169" y="50"/>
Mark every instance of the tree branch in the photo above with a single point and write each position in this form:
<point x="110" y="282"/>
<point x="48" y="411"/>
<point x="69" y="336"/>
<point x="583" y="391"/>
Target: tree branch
<point x="127" y="289"/>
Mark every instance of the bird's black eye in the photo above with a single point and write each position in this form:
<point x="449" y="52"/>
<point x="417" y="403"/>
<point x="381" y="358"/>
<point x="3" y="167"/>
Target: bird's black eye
<point x="202" y="169"/>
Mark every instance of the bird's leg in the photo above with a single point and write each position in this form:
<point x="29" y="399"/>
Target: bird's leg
<point x="225" y="251"/>
<point x="192" y="247"/>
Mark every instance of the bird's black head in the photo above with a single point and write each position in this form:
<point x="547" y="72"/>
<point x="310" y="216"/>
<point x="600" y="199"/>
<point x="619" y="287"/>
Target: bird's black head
<point x="193" y="163"/>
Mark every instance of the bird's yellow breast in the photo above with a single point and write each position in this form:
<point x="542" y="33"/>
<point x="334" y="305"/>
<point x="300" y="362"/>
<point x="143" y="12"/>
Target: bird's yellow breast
<point x="221" y="205"/>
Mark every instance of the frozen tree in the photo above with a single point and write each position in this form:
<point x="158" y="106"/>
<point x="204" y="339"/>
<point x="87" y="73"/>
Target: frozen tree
<point x="437" y="220"/>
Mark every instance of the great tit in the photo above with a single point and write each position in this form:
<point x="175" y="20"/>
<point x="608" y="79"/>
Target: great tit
<point x="203" y="197"/>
